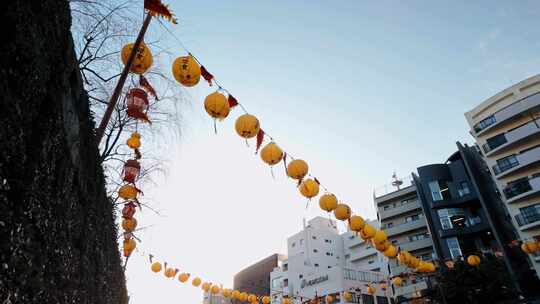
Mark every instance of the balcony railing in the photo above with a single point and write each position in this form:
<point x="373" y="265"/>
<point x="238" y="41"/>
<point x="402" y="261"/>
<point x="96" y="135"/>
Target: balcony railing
<point x="525" y="219"/>
<point x="517" y="188"/>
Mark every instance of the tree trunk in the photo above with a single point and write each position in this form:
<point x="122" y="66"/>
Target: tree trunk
<point x="58" y="238"/>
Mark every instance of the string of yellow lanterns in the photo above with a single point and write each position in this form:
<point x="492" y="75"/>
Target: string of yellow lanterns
<point x="218" y="106"/>
<point x="242" y="296"/>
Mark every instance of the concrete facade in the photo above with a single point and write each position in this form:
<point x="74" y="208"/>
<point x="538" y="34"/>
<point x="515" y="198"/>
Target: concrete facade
<point x="400" y="214"/>
<point x="507" y="128"/>
<point x="321" y="262"/>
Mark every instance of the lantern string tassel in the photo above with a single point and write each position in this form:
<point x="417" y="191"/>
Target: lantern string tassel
<point x="272" y="172"/>
<point x="247" y="144"/>
<point x="215" y="127"/>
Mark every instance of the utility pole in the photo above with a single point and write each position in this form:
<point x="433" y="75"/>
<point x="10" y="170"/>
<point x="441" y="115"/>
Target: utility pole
<point x="118" y="89"/>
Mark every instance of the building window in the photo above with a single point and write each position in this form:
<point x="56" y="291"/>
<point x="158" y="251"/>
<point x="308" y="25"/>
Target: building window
<point x="453" y="246"/>
<point x="452" y="218"/>
<point x="329" y="241"/>
<point x="494" y="142"/>
<point x="371" y="262"/>
<point x="285" y="282"/>
<point x="394" y="242"/>
<point x="328" y="253"/>
<point x="314" y="237"/>
<point x="293" y="244"/>
<point x="276" y="283"/>
<point x="315" y="250"/>
<point x="439" y="190"/>
<point x="463" y="188"/>
<point x="505" y="163"/>
<point x="386" y="207"/>
<point x="300" y="276"/>
<point x="367" y="299"/>
<point x="528" y="215"/>
<point x="301" y="242"/>
<point x="329" y="267"/>
<point x="412" y="218"/>
<point x="316" y="265"/>
<point x="347" y="256"/>
<point x="285" y="267"/>
<point x="484" y="123"/>
<point x="389" y="225"/>
<point x="382" y="300"/>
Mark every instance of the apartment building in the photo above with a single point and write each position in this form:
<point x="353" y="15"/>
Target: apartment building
<point x="507" y="128"/>
<point x="400" y="214"/>
<point x="322" y="262"/>
<point x="361" y="255"/>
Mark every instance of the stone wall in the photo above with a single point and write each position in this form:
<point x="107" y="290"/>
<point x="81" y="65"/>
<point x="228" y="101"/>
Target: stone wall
<point x="58" y="238"/>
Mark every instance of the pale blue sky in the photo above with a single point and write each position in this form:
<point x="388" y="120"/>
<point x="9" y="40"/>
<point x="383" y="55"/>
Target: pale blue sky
<point x="358" y="89"/>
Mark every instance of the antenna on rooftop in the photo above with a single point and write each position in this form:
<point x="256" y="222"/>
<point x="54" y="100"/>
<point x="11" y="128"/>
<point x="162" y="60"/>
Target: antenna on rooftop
<point x="396" y="182"/>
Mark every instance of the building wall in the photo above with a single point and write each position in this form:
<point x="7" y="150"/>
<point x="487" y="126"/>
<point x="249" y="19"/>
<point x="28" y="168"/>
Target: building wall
<point x="321" y="255"/>
<point x="256" y="278"/>
<point x="512" y="108"/>
<point x="470" y="229"/>
<point x="400" y="215"/>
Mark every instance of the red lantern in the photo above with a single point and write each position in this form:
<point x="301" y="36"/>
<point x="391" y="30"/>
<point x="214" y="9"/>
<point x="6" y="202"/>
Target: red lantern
<point x="137" y="104"/>
<point x="131" y="170"/>
<point x="129" y="210"/>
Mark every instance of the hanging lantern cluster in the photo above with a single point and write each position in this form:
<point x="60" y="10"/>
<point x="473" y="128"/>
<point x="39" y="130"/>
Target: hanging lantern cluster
<point x="407" y="259"/>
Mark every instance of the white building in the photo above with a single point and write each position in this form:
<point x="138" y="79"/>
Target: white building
<point x="507" y="127"/>
<point x="322" y="262"/>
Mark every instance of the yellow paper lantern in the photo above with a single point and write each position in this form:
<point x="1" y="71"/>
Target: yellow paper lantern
<point x="371" y="290"/>
<point x="309" y="188"/>
<point x="286" y="301"/>
<point x="196" y="282"/>
<point x="217" y="105"/>
<point x="414" y="262"/>
<point x="329" y="299"/>
<point x="382" y="246"/>
<point x="271" y="154"/>
<point x="347" y="296"/>
<point x="390" y="252"/>
<point x="297" y="169"/>
<point x="342" y="212"/>
<point x="186" y="70"/>
<point x="397" y="281"/>
<point x="430" y="267"/>
<point x="367" y="232"/>
<point x="134" y="141"/>
<point x="183" y="277"/>
<point x="404" y="257"/>
<point x="529" y="247"/>
<point x="356" y="223"/>
<point x="215" y="289"/>
<point x="226" y="293"/>
<point x="328" y="202"/>
<point x="379" y="237"/>
<point x="236" y="294"/>
<point x="156" y="267"/>
<point x="143" y="59"/>
<point x="473" y="260"/>
<point x="252" y="298"/>
<point x="129" y="224"/>
<point x="128" y="192"/>
<point x="266" y="300"/>
<point x="170" y="272"/>
<point x="206" y="286"/>
<point x="247" y="126"/>
<point x="243" y="296"/>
